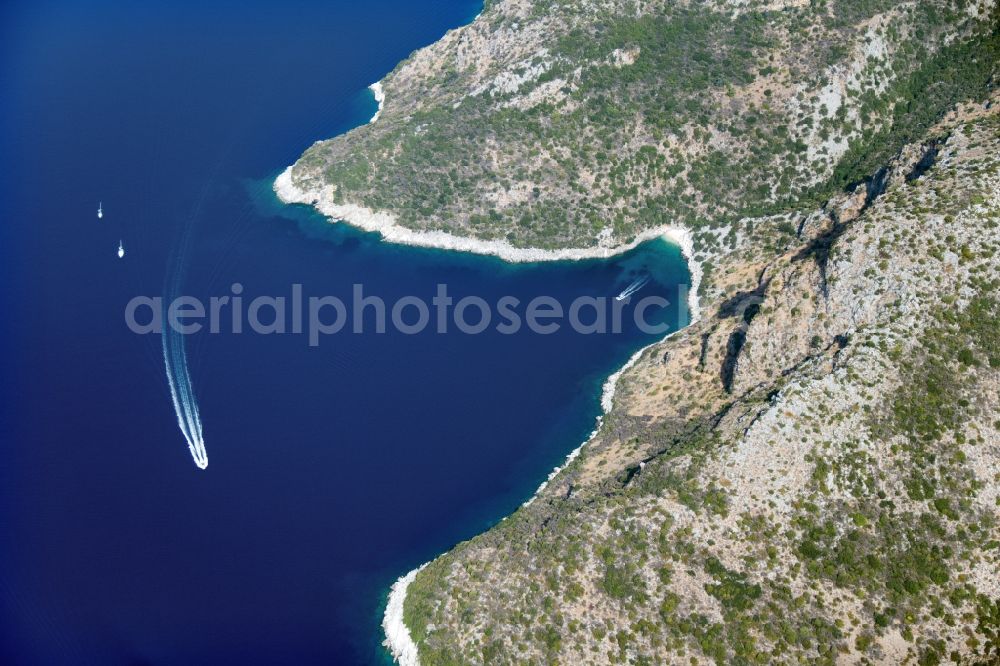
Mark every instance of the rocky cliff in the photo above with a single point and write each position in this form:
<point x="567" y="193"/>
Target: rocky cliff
<point x="810" y="473"/>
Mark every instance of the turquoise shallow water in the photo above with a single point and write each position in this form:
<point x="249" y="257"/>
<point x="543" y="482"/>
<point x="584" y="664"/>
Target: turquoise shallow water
<point x="332" y="469"/>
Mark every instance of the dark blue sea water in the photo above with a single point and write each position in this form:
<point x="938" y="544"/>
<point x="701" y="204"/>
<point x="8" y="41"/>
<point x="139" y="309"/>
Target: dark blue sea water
<point x="333" y="470"/>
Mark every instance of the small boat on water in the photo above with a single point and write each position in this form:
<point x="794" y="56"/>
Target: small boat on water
<point x="121" y="250"/>
<point x="632" y="288"/>
<point x="100" y="209"/>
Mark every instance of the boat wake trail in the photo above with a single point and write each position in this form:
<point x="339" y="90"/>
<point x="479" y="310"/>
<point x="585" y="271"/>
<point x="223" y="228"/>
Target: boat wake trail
<point x="175" y="356"/>
<point x="632" y="288"/>
<point x="182" y="393"/>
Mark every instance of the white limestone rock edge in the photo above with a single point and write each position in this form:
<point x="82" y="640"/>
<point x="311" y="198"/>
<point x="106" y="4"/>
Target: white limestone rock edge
<point x="397" y="637"/>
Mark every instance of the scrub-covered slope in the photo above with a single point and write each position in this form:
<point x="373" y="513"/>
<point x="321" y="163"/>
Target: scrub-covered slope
<point x="553" y="123"/>
<point x="809" y="474"/>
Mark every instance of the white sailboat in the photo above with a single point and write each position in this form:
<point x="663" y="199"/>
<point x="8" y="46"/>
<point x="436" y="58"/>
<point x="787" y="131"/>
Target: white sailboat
<point x="100" y="209"/>
<point x="121" y="250"/>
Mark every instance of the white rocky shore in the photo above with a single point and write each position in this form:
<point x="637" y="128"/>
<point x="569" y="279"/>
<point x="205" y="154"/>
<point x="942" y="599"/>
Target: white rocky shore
<point x="397" y="637"/>
<point x="376" y="89"/>
<point x="391" y="231"/>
